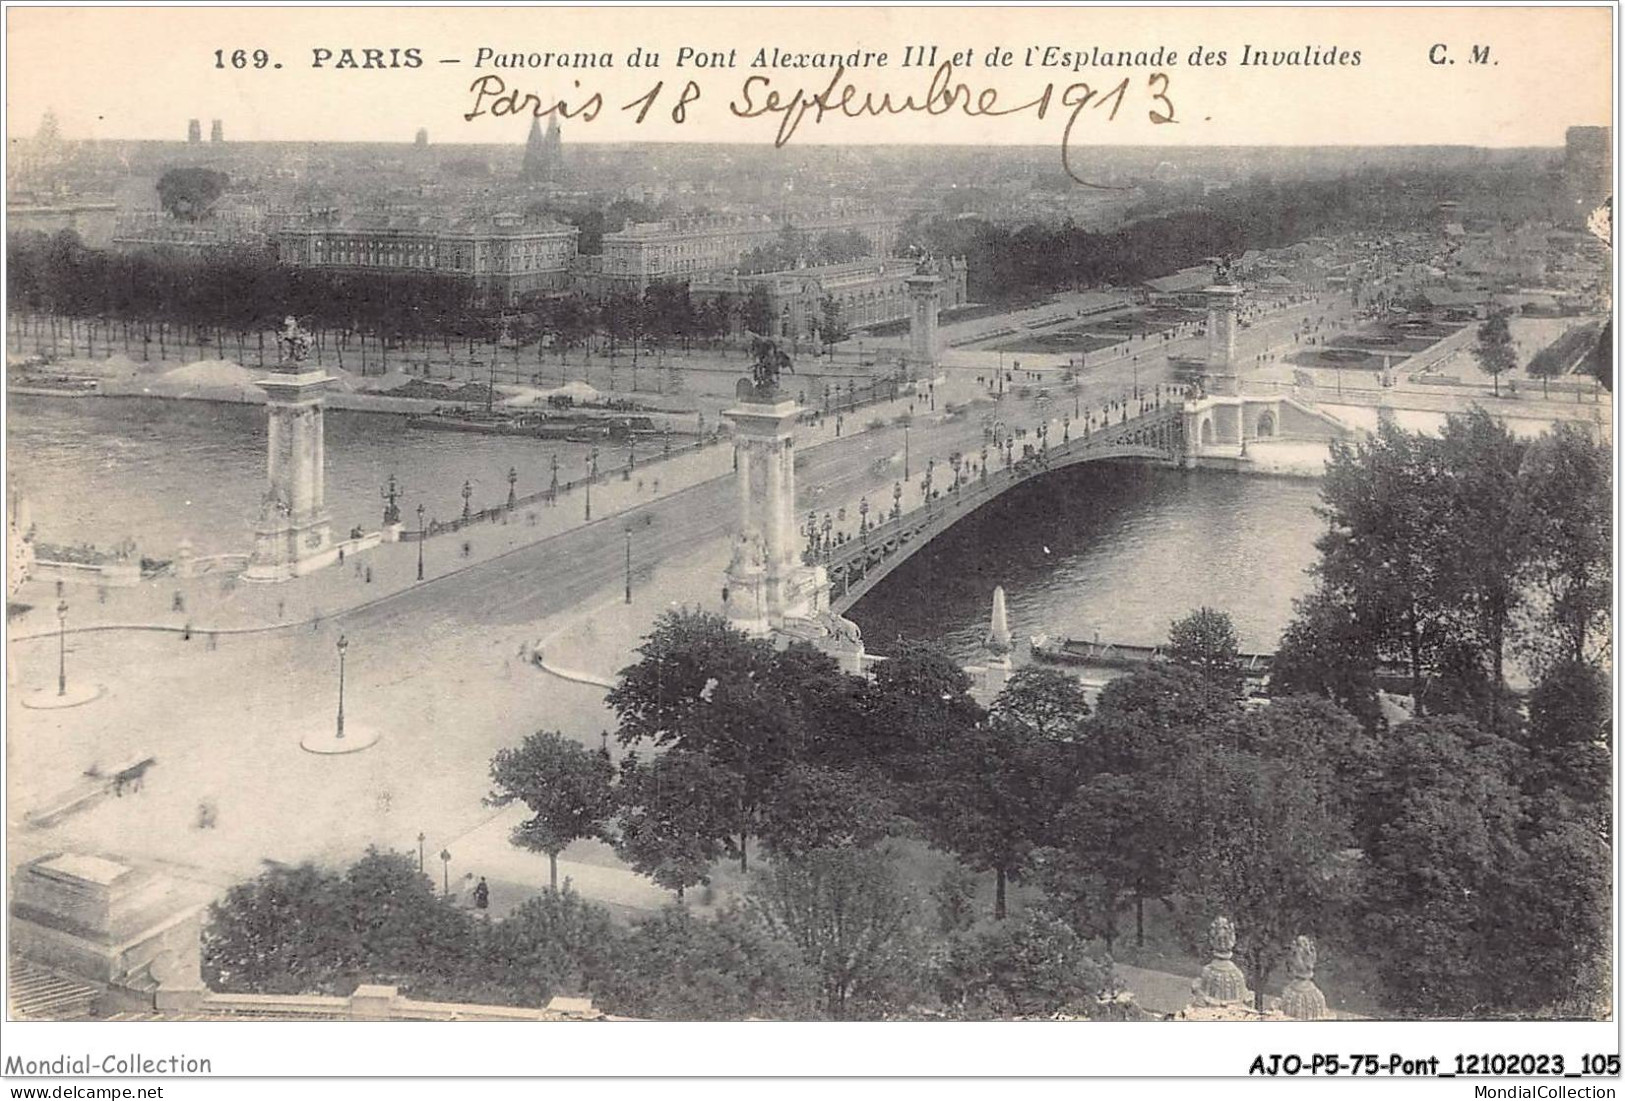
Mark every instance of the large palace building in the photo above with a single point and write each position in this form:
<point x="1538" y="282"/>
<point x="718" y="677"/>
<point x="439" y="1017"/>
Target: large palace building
<point x="867" y="292"/>
<point x="504" y="255"/>
<point x="650" y="252"/>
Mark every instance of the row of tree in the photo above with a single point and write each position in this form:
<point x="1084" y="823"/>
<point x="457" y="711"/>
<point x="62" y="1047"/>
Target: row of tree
<point x="836" y="935"/>
<point x="1449" y="556"/>
<point x="246" y="292"/>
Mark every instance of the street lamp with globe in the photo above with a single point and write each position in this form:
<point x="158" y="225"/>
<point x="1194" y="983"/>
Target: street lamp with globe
<point x="61" y="647"/>
<point x="344" y="644"/>
<point x="421" y="539"/>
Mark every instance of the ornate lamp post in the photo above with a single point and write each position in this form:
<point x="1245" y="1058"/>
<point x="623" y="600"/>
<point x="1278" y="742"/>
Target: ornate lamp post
<point x="592" y="476"/>
<point x="513" y="481"/>
<point x="553" y="485"/>
<point x="344" y="644"/>
<point x="905" y="450"/>
<point x="445" y="871"/>
<point x="829" y="538"/>
<point x="422" y="535"/>
<point x="896" y="500"/>
<point x="665" y="442"/>
<point x="863" y="520"/>
<point x="810" y="530"/>
<point x="631" y="457"/>
<point x="955" y="460"/>
<point x="468" y="492"/>
<point x="422" y="837"/>
<point x="390" y="493"/>
<point x="628" y="534"/>
<point x="925" y="484"/>
<point x="1066" y="429"/>
<point x="62" y="647"/>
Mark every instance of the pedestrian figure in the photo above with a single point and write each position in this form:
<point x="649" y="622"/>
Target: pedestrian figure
<point x="482" y="896"/>
<point x="179" y="603"/>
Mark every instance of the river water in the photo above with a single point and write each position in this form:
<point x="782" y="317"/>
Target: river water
<point x="96" y="470"/>
<point x="1118" y="550"/>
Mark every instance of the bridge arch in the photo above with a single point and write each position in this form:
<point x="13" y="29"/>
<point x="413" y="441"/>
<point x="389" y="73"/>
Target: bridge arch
<point x="859" y="564"/>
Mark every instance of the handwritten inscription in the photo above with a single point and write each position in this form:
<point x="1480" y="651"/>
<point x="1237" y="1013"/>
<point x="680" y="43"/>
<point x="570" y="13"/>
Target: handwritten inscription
<point x="846" y="99"/>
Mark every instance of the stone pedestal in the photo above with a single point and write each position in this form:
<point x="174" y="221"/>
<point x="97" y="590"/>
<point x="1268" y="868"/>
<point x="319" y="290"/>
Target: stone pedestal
<point x="132" y="932"/>
<point x="766" y="580"/>
<point x="292" y="536"/>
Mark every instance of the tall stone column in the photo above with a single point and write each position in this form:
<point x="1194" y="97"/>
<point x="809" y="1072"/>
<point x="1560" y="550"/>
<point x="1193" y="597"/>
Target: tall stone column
<point x="766" y="581"/>
<point x="925" y="297"/>
<point x="1222" y="374"/>
<point x="292" y="536"/>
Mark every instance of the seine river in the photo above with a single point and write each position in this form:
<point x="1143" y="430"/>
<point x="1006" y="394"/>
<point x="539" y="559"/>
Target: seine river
<point x="1117" y="552"/>
<point x="1121" y="551"/>
<point x="96" y="470"/>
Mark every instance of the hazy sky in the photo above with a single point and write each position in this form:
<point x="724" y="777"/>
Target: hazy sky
<point x="142" y="73"/>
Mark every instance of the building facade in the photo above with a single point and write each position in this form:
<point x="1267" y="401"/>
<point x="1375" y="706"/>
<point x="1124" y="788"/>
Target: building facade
<point x="505" y="256"/>
<point x="695" y="248"/>
<point x="867" y="292"/>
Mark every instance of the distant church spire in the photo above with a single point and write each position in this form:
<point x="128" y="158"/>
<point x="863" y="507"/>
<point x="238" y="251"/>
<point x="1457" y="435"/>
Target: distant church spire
<point x="544" y="153"/>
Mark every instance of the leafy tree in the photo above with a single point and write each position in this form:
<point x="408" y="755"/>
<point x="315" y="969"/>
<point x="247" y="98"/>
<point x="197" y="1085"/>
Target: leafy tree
<point x="304" y="930"/>
<point x="1117" y="839"/>
<point x="1569" y="733"/>
<point x="190" y="193"/>
<point x="1266" y="850"/>
<point x="1146" y="722"/>
<point x="987" y="796"/>
<point x="1494" y="350"/>
<point x="955" y="898"/>
<point x="403" y="925"/>
<point x="852" y="924"/>
<point x="703" y="686"/>
<point x="919" y="696"/>
<point x="1557" y="913"/>
<point x="678" y="967"/>
<point x="1381" y="557"/>
<point x="565" y="786"/>
<point x="1441" y="829"/>
<point x="1486" y="532"/>
<point x="554" y="943"/>
<point x="1567" y="483"/>
<point x="832" y="328"/>
<point x="280" y="934"/>
<point x="1326" y="651"/>
<point x="1045" y="702"/>
<point x="1034" y="966"/>
<point x="1205" y="641"/>
<point x="756" y="313"/>
<point x="677" y="812"/>
<point x="824" y="808"/>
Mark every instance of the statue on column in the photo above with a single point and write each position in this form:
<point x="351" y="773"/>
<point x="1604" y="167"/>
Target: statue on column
<point x="771" y="361"/>
<point x="295" y="341"/>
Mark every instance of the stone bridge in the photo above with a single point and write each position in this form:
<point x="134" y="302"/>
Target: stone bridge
<point x="858" y="564"/>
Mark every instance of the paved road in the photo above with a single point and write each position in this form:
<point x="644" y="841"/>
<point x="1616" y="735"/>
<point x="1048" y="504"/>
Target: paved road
<point x="540" y="580"/>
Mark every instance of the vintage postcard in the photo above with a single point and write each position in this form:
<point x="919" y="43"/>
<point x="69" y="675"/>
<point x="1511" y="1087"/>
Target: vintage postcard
<point x="877" y="514"/>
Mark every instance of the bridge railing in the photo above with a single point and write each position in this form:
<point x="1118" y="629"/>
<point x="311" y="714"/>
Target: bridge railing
<point x="1152" y="434"/>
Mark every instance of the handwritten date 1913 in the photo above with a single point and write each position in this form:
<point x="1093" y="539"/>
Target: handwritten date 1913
<point x="843" y="98"/>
